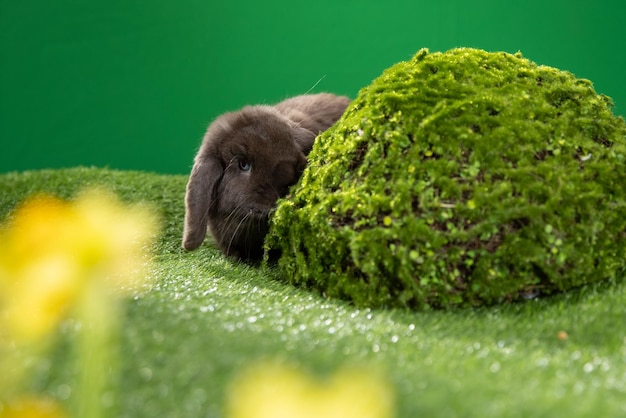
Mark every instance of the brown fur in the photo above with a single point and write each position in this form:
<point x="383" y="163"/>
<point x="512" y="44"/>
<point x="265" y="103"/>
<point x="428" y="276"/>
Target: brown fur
<point x="248" y="159"/>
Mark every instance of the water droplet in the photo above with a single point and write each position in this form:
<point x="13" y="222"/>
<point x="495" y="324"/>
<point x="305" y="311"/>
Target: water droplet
<point x="145" y="373"/>
<point x="252" y="319"/>
<point x="64" y="391"/>
<point x="588" y="367"/>
<point x="376" y="348"/>
<point x="495" y="367"/>
<point x="605" y="366"/>
<point x="394" y="339"/>
<point x="579" y="387"/>
<point x="107" y="399"/>
<point x="163" y="390"/>
<point x="209" y="291"/>
<point x="158" y="336"/>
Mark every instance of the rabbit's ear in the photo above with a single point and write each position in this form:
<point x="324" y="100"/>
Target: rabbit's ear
<point x="198" y="200"/>
<point x="303" y="138"/>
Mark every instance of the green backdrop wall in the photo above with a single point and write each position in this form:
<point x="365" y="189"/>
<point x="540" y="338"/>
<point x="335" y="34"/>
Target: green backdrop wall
<point x="132" y="84"/>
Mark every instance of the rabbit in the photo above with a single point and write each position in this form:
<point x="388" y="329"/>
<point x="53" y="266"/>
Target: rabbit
<point x="247" y="161"/>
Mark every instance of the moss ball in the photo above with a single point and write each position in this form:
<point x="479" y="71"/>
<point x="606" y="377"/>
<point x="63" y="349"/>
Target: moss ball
<point x="461" y="178"/>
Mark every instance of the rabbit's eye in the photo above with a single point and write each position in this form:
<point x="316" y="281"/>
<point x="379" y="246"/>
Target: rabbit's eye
<point x="244" y="165"/>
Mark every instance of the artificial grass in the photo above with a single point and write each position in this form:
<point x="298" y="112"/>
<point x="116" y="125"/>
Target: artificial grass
<point x="205" y="317"/>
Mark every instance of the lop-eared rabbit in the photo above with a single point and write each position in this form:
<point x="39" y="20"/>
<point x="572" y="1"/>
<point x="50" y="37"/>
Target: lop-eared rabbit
<point x="247" y="161"/>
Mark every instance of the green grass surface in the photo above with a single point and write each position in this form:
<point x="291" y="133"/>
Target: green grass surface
<point x="205" y="317"/>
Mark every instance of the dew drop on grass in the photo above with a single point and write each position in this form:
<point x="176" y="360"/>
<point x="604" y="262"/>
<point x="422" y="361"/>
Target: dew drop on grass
<point x="579" y="387"/>
<point x="145" y="373"/>
<point x="483" y="353"/>
<point x="163" y="389"/>
<point x="64" y="391"/>
<point x="605" y="366"/>
<point x="158" y="337"/>
<point x="107" y="399"/>
<point x="209" y="291"/>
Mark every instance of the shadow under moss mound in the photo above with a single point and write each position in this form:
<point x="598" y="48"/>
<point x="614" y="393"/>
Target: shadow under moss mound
<point x="460" y="178"/>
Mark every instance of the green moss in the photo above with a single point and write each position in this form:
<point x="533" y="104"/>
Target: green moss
<point x="460" y="178"/>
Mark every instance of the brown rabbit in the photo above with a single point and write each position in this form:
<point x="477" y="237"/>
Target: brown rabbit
<point x="248" y="159"/>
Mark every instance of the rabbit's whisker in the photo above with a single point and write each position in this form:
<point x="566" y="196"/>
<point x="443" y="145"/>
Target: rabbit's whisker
<point x="315" y="85"/>
<point x="236" y="231"/>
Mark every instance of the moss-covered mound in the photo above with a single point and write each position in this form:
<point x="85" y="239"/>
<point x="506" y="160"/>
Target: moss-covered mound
<point x="460" y="178"/>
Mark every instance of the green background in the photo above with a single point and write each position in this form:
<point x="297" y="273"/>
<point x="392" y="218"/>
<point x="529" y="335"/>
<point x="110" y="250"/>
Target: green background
<point x="132" y="84"/>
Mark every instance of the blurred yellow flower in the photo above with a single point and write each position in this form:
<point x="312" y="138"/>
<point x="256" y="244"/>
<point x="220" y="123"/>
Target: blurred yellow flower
<point x="51" y="249"/>
<point x="31" y="407"/>
<point x="272" y="390"/>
